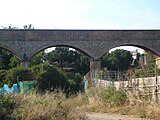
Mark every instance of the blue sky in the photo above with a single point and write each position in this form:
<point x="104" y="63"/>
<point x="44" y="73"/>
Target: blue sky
<point x="81" y="14"/>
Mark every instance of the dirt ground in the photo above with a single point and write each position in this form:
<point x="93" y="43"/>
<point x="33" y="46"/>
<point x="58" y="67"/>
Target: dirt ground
<point x="106" y="116"/>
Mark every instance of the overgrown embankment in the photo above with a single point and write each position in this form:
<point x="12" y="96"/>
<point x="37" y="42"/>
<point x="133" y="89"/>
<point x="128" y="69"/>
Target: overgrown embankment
<point x="110" y="100"/>
<point x="49" y="106"/>
<point x="56" y="106"/>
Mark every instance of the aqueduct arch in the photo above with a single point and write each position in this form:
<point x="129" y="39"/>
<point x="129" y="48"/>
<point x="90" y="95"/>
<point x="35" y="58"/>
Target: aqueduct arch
<point x="58" y="45"/>
<point x="95" y="43"/>
<point x="134" y="45"/>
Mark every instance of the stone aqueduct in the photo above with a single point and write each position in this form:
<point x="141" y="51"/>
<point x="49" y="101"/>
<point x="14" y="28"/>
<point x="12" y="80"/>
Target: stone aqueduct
<point x="95" y="43"/>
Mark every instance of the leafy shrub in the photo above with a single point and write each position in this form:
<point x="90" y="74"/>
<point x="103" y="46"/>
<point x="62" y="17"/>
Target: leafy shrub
<point x="75" y="81"/>
<point x="49" y="78"/>
<point x="2" y="77"/>
<point x="18" y="73"/>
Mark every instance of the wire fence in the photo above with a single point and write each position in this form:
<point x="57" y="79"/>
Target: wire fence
<point x="139" y="84"/>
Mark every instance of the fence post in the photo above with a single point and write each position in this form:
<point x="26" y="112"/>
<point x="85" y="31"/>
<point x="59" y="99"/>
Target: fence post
<point x="155" y="84"/>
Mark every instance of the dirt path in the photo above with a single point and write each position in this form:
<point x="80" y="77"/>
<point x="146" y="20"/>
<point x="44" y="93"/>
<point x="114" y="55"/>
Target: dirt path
<point x="106" y="116"/>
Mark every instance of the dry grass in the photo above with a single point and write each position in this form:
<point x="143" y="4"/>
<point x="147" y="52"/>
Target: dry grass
<point x="49" y="106"/>
<point x="55" y="106"/>
<point x="139" y="108"/>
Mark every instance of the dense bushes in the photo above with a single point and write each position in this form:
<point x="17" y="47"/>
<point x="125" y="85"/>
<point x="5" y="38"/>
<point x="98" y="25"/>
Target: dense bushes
<point x="47" y="76"/>
<point x="20" y="74"/>
<point x="75" y="81"/>
<point x="15" y="75"/>
<point x="2" y="77"/>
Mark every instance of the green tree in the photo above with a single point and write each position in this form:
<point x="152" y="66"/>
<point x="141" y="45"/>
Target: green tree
<point x="39" y="58"/>
<point x="18" y="74"/>
<point x="5" y="59"/>
<point x="2" y="77"/>
<point x="117" y="60"/>
<point x="14" y="62"/>
<point x="82" y="64"/>
<point x="59" y="56"/>
<point x="8" y="60"/>
<point x="76" y="82"/>
<point x="64" y="57"/>
<point x="49" y="78"/>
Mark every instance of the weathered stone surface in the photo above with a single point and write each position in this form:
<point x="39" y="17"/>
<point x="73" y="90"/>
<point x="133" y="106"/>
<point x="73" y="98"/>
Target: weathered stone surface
<point x="95" y="43"/>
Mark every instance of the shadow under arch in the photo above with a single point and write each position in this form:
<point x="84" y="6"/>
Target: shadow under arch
<point x="69" y="46"/>
<point x="144" y="47"/>
<point x="11" y="51"/>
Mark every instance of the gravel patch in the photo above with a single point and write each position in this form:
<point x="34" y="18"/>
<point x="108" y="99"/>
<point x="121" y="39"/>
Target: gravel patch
<point x="106" y="116"/>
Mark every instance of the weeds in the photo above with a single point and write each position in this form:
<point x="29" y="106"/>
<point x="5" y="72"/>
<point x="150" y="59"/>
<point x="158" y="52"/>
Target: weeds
<point x="49" y="106"/>
<point x="7" y="105"/>
<point x="110" y="100"/>
<point x="108" y="95"/>
<point x="56" y="106"/>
